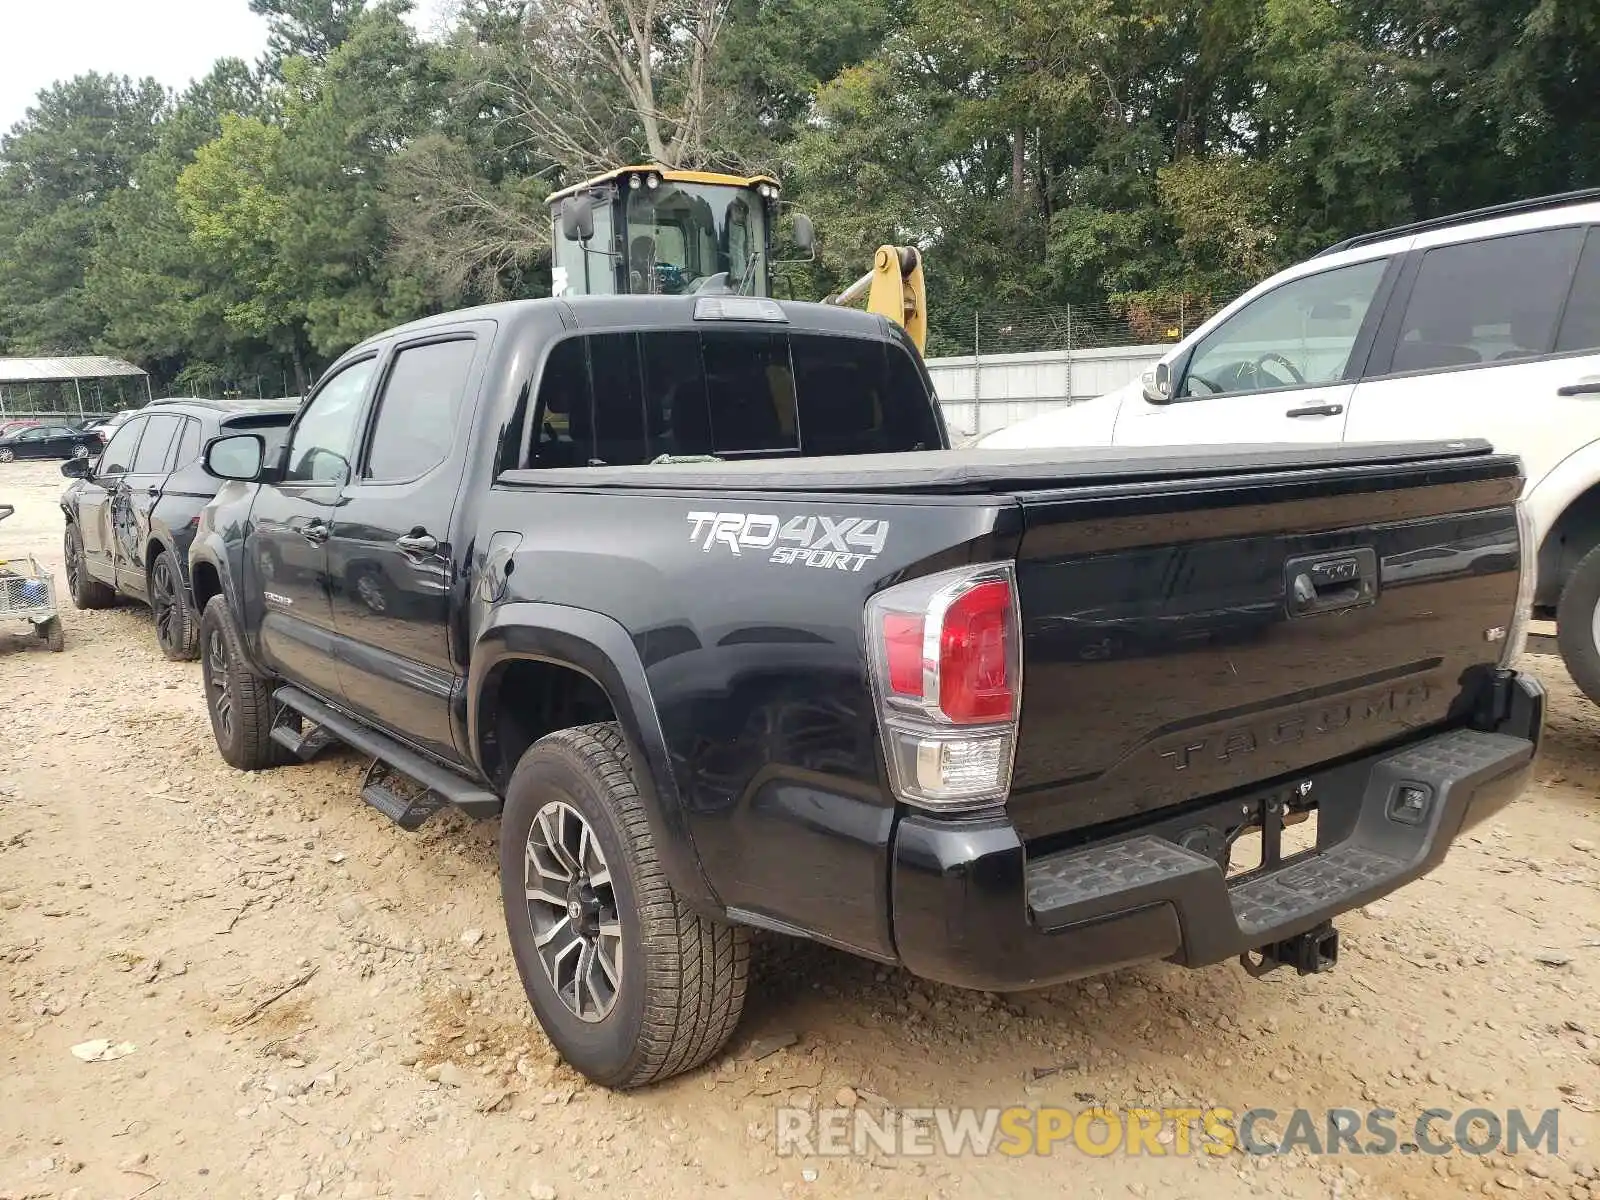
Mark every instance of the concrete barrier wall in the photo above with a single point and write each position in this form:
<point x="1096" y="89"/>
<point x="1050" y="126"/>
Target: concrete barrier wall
<point x="988" y="392"/>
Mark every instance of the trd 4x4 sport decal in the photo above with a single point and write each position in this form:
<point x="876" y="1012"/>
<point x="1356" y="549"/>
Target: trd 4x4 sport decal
<point x="837" y="543"/>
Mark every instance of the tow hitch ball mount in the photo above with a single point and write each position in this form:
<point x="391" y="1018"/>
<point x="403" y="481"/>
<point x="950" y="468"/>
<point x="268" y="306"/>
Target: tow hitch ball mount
<point x="1309" y="953"/>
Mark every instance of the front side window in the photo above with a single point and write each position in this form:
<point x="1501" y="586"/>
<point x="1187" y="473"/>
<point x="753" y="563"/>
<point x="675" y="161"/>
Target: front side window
<point x="324" y="438"/>
<point x="419" y="409"/>
<point x="117" y="457"/>
<point x="152" y="456"/>
<point x="1296" y="335"/>
<point x="1490" y="301"/>
<point x="686" y="238"/>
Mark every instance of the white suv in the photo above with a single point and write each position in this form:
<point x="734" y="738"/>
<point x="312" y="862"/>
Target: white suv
<point x="1483" y="325"/>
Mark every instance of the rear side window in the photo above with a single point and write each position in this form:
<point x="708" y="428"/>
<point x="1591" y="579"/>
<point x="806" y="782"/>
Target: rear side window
<point x="1580" y="327"/>
<point x="1484" y="302"/>
<point x="188" y="444"/>
<point x="157" y="441"/>
<point x="625" y="399"/>
<point x="418" y="410"/>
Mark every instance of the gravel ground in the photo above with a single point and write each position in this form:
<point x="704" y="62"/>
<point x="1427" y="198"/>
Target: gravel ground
<point x="319" y="1004"/>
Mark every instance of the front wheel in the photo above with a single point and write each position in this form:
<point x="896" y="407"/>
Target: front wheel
<point x="238" y="698"/>
<point x="86" y="591"/>
<point x="7" y="454"/>
<point x="630" y="984"/>
<point x="176" y="631"/>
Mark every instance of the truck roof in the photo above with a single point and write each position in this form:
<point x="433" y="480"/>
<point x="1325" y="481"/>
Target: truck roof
<point x="621" y="313"/>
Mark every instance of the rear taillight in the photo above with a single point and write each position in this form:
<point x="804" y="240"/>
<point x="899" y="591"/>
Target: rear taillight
<point x="947" y="673"/>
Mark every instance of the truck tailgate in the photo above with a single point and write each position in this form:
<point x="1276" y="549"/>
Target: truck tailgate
<point x="1192" y="639"/>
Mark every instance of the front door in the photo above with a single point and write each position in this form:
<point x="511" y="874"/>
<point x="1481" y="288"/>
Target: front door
<point x="96" y="497"/>
<point x="391" y="561"/>
<point x="1277" y="370"/>
<point x="287" y="547"/>
<point x="137" y="492"/>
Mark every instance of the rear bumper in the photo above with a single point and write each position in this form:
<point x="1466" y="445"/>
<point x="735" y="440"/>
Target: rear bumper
<point x="974" y="908"/>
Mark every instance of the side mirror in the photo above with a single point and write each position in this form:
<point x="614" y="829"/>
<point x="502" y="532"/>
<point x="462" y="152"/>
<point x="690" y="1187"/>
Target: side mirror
<point x="1158" y="383"/>
<point x="238" y="456"/>
<point x="803" y="233"/>
<point x="76" y="468"/>
<point x="577" y="218"/>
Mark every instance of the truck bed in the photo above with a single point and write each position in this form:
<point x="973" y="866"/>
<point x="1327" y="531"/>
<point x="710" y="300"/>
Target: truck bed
<point x="986" y="472"/>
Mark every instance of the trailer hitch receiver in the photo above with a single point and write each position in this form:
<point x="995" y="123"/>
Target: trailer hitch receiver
<point x="1309" y="953"/>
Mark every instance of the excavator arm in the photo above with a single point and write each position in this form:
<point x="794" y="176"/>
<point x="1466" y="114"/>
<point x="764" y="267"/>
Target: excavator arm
<point x="894" y="288"/>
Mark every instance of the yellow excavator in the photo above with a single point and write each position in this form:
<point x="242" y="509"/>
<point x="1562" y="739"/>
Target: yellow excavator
<point x="647" y="230"/>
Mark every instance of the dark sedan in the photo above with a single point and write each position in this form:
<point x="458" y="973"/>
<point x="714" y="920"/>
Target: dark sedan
<point x="47" y="441"/>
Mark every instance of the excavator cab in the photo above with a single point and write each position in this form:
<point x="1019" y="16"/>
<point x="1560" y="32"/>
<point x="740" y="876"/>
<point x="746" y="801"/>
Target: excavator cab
<point x="651" y="231"/>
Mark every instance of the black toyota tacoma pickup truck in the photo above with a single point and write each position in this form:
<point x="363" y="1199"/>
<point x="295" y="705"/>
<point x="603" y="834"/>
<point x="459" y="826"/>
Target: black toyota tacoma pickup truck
<point x="692" y="594"/>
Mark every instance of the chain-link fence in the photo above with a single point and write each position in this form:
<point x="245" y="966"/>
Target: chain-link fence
<point x="1010" y="365"/>
<point x="1133" y="322"/>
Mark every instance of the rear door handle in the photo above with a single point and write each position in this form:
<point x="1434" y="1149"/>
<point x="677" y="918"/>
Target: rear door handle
<point x="1316" y="410"/>
<point x="1589" y="387"/>
<point x="316" y="532"/>
<point x="418" y="543"/>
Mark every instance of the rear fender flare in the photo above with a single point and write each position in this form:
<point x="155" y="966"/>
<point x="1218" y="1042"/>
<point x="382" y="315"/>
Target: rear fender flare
<point x="597" y="646"/>
<point x="1549" y="499"/>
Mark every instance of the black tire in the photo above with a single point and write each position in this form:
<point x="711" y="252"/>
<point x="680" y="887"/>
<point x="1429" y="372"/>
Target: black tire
<point x="238" y="699"/>
<point x="50" y="634"/>
<point x="682" y="977"/>
<point x="1575" y="625"/>
<point x="86" y="592"/>
<point x="177" y="632"/>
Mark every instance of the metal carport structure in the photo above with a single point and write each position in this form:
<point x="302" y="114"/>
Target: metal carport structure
<point x="25" y="374"/>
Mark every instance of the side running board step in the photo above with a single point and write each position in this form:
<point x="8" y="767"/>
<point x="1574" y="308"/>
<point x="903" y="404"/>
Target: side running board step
<point x="381" y="789"/>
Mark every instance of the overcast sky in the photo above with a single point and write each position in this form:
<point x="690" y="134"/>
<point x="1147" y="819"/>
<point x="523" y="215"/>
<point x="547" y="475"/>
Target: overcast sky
<point x="42" y="41"/>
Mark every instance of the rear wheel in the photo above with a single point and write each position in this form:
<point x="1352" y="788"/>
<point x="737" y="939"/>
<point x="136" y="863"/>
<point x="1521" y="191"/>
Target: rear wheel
<point x="176" y="630"/>
<point x="238" y="698"/>
<point x="1578" y="625"/>
<point x="630" y="984"/>
<point x="7" y="454"/>
<point x="50" y="634"/>
<point x="86" y="592"/>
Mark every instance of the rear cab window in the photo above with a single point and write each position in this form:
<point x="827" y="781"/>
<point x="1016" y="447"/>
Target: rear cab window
<point x="624" y="399"/>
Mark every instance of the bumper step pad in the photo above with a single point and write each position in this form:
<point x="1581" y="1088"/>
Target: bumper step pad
<point x="1407" y="811"/>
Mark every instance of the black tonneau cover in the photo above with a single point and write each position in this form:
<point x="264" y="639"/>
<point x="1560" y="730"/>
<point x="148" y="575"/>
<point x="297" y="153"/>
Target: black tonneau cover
<point x="982" y="471"/>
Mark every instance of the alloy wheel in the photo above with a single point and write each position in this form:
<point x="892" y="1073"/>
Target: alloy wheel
<point x="221" y="691"/>
<point x="572" y="903"/>
<point x="164" y="601"/>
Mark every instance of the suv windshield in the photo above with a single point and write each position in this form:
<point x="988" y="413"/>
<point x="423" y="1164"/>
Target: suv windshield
<point x="685" y="237"/>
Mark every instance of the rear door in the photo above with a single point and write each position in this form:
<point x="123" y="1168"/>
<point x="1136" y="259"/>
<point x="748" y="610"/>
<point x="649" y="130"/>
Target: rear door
<point x="1495" y="338"/>
<point x="287" y="547"/>
<point x="391" y="560"/>
<point x="135" y="497"/>
<point x="1279" y="369"/>
<point x="95" y="500"/>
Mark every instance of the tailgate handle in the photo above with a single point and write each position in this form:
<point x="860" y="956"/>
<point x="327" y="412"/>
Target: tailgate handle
<point x="1319" y="583"/>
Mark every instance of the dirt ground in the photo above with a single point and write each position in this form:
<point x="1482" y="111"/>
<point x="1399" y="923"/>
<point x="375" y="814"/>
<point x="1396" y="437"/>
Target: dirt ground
<point x="151" y="895"/>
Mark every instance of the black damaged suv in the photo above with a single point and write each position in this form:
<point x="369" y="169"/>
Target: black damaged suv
<point x="131" y="514"/>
